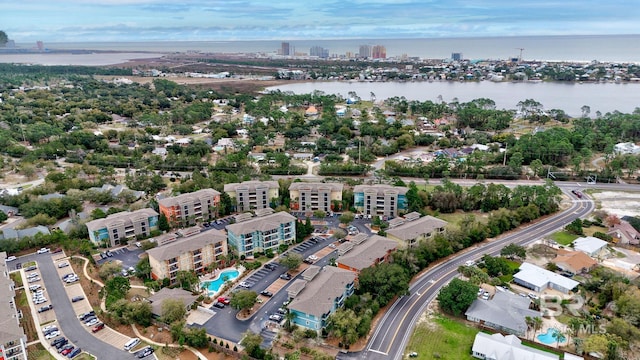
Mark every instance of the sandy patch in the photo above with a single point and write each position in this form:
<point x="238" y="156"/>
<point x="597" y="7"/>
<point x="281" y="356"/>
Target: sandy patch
<point x="618" y="203"/>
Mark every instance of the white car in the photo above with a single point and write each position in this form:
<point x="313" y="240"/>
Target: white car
<point x="52" y="334"/>
<point x="43" y="251"/>
<point x="32" y="280"/>
<point x="32" y="275"/>
<point x="35" y="287"/>
<point x="92" y="322"/>
<point x="63" y="264"/>
<point x="48" y="327"/>
<point x="469" y="263"/>
<point x="11" y="258"/>
<point x="40" y="301"/>
<point x="313" y="257"/>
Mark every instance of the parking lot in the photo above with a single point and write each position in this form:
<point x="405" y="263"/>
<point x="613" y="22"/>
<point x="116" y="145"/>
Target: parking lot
<point x="126" y="256"/>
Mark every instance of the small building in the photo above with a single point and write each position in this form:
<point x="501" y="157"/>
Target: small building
<point x="410" y="231"/>
<point x="315" y="196"/>
<point x="624" y="234"/>
<point x="320" y="294"/>
<point x="627" y="148"/>
<point x="252" y="195"/>
<point x="262" y="233"/>
<point x="509" y="347"/>
<point x="538" y="279"/>
<point x="158" y="298"/>
<point x="591" y="246"/>
<point x="373" y="250"/>
<point x="574" y="262"/>
<point x="117" y="228"/>
<point x="311" y="111"/>
<point x="9" y="210"/>
<point x="506" y="312"/>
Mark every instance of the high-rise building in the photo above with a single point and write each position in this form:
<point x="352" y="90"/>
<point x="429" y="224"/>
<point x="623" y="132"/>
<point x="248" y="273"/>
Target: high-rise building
<point x="284" y="49"/>
<point x="456" y="56"/>
<point x="319" y="51"/>
<point x="379" y="52"/>
<point x="365" y="51"/>
<point x="40" y="45"/>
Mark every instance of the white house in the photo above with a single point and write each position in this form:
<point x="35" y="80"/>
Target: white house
<point x="626" y="148"/>
<point x="538" y="279"/>
<point x="500" y="347"/>
<point x="590" y="245"/>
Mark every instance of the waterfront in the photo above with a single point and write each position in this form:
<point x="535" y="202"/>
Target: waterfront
<point x="96" y="59"/>
<point x="570" y="97"/>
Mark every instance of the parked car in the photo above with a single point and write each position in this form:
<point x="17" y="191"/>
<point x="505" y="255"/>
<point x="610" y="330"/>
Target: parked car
<point x="77" y="298"/>
<point x="10" y="258"/>
<point x="285" y="276"/>
<point x="98" y="327"/>
<point x="52" y="334"/>
<point x="282" y="311"/>
<point x="35" y="287"/>
<point x="92" y="322"/>
<point x="275" y="317"/>
<point x="75" y="352"/>
<point x="40" y="301"/>
<point x="266" y="293"/>
<point x="66" y="350"/>
<point x="145" y="352"/>
<point x="30" y="268"/>
<point x="224" y="300"/>
<point x="219" y="305"/>
<point x="63" y="264"/>
<point x="45" y="308"/>
<point x="43" y="251"/>
<point x="61" y="344"/>
<point x="245" y="284"/>
<point x="58" y="341"/>
<point x="271" y="266"/>
<point x="32" y="280"/>
<point x="138" y="244"/>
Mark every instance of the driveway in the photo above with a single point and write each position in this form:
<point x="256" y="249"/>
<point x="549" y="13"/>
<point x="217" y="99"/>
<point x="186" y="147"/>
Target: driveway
<point x="128" y="257"/>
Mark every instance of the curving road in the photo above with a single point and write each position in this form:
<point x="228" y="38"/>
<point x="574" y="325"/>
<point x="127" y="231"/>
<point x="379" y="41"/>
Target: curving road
<point x="396" y="326"/>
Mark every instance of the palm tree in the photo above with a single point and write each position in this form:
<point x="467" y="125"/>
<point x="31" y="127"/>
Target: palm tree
<point x="559" y="336"/>
<point x="530" y="322"/>
<point x="537" y="324"/>
<point x="289" y="316"/>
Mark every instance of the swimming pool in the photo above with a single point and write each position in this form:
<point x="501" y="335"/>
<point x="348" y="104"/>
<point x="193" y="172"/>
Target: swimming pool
<point x="214" y="285"/>
<point x="547" y="338"/>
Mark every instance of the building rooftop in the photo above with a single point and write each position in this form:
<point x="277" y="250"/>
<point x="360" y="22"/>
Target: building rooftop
<point x="412" y="229"/>
<point x="506" y="310"/>
<point x="9" y="233"/>
<point x="264" y="223"/>
<point x="365" y="254"/>
<point x="10" y="329"/>
<point x="575" y="260"/>
<point x="166" y="293"/>
<point x="187" y="244"/>
<point x="540" y="277"/>
<point x="314" y="186"/>
<point x="318" y="296"/>
<point x="589" y="244"/>
<point x="188" y="197"/>
<point x="125" y="216"/>
<point x="498" y="346"/>
<point x="380" y="189"/>
<point x="251" y="185"/>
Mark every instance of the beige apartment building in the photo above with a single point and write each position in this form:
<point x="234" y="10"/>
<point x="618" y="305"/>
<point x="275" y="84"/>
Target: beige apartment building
<point x="411" y="229"/>
<point x="12" y="338"/>
<point x="315" y="196"/>
<point x="116" y="229"/>
<point x="382" y="200"/>
<point x="252" y="195"/>
<point x="192" y="253"/>
<point x="187" y="209"/>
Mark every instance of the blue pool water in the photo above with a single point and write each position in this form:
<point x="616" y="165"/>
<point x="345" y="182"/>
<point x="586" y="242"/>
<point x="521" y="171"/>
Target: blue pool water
<point x="547" y="338"/>
<point x="214" y="285"/>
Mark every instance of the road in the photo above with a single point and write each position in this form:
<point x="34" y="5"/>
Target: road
<point x="396" y="326"/>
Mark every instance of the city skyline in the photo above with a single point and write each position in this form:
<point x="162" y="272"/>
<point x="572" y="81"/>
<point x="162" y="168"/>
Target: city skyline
<point x="146" y="20"/>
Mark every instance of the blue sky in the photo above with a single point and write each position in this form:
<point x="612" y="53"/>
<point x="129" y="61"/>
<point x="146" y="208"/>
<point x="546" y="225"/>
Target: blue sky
<point x="137" y="20"/>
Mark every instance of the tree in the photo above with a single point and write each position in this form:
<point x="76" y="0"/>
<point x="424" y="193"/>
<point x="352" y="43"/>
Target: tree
<point x="343" y="325"/>
<point x="116" y="288"/>
<point x="559" y="336"/>
<point x="514" y="251"/>
<point x="575" y="227"/>
<point x="291" y="261"/>
<point x="457" y="296"/>
<point x="3" y="217"/>
<point x="163" y="223"/>
<point x="3" y="38"/>
<point x="172" y="310"/>
<point x="143" y="268"/>
<point x="251" y="342"/>
<point x="384" y="281"/>
<point x="188" y="280"/>
<point x="346" y="217"/>
<point x="243" y="299"/>
<point x="109" y="269"/>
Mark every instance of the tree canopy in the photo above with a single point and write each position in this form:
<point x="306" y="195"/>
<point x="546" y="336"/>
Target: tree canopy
<point x="457" y="296"/>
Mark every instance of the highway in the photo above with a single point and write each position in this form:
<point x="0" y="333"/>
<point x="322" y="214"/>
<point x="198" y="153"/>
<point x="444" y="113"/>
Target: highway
<point x="394" y="329"/>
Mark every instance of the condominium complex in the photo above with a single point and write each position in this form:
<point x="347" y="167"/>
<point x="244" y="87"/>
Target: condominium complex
<point x="117" y="228"/>
<point x="379" y="52"/>
<point x="262" y="233"/>
<point x="364" y="251"/>
<point x="12" y="338"/>
<point x="315" y="196"/>
<point x="191" y="253"/>
<point x="411" y="229"/>
<point x="187" y="209"/>
<point x="382" y="200"/>
<point x="252" y="195"/>
<point x="364" y="51"/>
<point x="319" y="293"/>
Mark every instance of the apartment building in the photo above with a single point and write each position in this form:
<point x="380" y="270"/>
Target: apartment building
<point x="261" y="233"/>
<point x="187" y="209"/>
<point x="12" y="338"/>
<point x="315" y="196"/>
<point x="191" y="253"/>
<point x="252" y="195"/>
<point x="362" y="252"/>
<point x="383" y="200"/>
<point x="117" y="229"/>
<point x="411" y="229"/>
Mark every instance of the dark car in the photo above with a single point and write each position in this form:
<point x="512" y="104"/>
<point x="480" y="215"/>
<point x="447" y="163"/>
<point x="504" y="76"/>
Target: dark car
<point x="145" y="352"/>
<point x="77" y="298"/>
<point x="32" y="267"/>
<point x="45" y="308"/>
<point x="98" y="327"/>
<point x="577" y="193"/>
<point x="219" y="305"/>
<point x="75" y="352"/>
<point x="266" y="293"/>
<point x="62" y="344"/>
<point x="270" y="266"/>
<point x="57" y="341"/>
<point x="285" y="276"/>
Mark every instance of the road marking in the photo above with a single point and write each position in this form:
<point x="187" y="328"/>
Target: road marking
<point x="378" y="352"/>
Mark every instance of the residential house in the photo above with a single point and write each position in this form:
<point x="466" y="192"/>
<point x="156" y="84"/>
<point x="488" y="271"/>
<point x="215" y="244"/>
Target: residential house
<point x="627" y="148"/>
<point x="13" y="341"/>
<point x="509" y="347"/>
<point x="188" y="253"/>
<point x="315" y="196"/>
<point x="574" y="262"/>
<point x="262" y="233"/>
<point x="372" y="250"/>
<point x="506" y="312"/>
<point x="319" y="294"/>
<point x="591" y="246"/>
<point x="118" y="190"/>
<point x="9" y="210"/>
<point x="381" y="200"/>
<point x="624" y="234"/>
<point x="10" y="233"/>
<point x="181" y="295"/>
<point x="186" y="209"/>
<point x="311" y="111"/>
<point x="252" y="195"/>
<point x="538" y="279"/>
<point x="117" y="228"/>
<point x="411" y="229"/>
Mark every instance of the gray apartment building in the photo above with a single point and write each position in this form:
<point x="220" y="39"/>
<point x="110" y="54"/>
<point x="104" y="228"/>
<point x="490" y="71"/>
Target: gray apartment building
<point x="12" y="338"/>
<point x="315" y="196"/>
<point x="382" y="200"/>
<point x="117" y="229"/>
<point x="252" y="195"/>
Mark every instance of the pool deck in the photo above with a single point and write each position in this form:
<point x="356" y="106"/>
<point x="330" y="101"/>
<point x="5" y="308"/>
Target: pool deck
<point x="215" y="275"/>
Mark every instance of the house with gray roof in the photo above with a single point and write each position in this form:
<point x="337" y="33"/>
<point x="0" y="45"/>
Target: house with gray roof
<point x="591" y="246"/>
<point x="9" y="210"/>
<point x="10" y="233"/>
<point x="506" y="312"/>
<point x="413" y="230"/>
<point x="181" y="295"/>
<point x="500" y="347"/>
<point x="320" y="296"/>
<point x="262" y="233"/>
<point x="118" y="228"/>
<point x="538" y="279"/>
<point x="13" y="341"/>
<point x="374" y="250"/>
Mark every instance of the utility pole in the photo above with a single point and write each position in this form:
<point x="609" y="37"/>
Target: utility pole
<point x="504" y="159"/>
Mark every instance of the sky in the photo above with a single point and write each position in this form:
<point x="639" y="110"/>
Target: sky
<point x="221" y="20"/>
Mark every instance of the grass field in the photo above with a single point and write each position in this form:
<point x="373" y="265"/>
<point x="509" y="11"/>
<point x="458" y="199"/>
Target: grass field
<point x="38" y="352"/>
<point x="446" y="339"/>
<point x="563" y="237"/>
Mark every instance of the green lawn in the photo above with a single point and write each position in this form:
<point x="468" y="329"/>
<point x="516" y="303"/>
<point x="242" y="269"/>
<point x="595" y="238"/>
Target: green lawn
<point x="446" y="339"/>
<point x="563" y="237"/>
